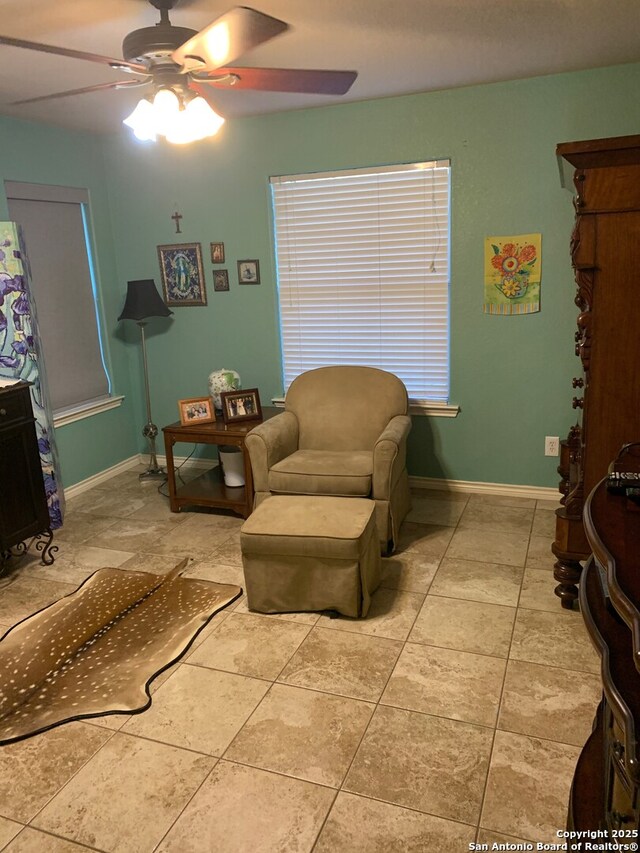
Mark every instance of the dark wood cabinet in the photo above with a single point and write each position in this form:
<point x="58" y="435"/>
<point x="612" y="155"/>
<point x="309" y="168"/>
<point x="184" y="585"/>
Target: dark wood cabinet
<point x="23" y="503"/>
<point x="606" y="785"/>
<point x="605" y="247"/>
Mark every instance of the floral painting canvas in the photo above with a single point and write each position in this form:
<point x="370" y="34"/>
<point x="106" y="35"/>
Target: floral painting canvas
<point x="512" y="274"/>
<point x="182" y="274"/>
<point x="21" y="356"/>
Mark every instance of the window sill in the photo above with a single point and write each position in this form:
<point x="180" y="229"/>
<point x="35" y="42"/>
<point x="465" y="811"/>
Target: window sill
<point x="85" y="410"/>
<point x="431" y="410"/>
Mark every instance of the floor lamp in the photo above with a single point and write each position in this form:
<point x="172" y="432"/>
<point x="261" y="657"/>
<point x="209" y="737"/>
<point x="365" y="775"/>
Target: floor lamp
<point x="144" y="301"/>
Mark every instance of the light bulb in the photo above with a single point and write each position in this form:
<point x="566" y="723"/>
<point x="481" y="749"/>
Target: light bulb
<point x="142" y="122"/>
<point x="196" y="121"/>
<point x="166" y="111"/>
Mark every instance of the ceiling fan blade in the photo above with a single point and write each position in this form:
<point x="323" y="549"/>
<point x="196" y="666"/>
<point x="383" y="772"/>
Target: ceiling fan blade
<point x="319" y="82"/>
<point x="226" y="38"/>
<point x="118" y="84"/>
<point x="74" y="54"/>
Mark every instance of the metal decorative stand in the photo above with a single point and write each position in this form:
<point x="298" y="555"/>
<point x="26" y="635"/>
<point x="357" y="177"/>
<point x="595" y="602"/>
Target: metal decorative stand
<point x="150" y="430"/>
<point x="43" y="544"/>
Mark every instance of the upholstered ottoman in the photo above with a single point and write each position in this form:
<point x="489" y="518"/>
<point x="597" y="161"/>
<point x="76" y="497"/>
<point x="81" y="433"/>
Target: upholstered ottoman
<point x="304" y="552"/>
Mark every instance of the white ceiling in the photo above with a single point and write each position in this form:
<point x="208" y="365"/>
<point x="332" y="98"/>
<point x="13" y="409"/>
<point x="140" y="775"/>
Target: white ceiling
<point x="397" y="48"/>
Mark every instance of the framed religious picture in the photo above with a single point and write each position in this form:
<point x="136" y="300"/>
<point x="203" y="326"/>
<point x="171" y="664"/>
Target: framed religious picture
<point x="248" y="272"/>
<point x="217" y="253"/>
<point x="196" y="410"/>
<point x="220" y="280"/>
<point x="182" y="274"/>
<point x="241" y="405"/>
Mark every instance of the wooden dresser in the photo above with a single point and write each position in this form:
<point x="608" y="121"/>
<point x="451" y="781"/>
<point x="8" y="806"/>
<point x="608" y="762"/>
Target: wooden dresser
<point x="606" y="784"/>
<point x="605" y="252"/>
<point x="23" y="503"/>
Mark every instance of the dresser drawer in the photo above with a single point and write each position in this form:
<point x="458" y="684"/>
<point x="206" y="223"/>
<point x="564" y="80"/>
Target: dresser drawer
<point x="15" y="406"/>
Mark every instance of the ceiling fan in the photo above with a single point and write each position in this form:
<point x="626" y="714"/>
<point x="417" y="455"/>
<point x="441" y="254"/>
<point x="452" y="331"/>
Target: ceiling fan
<point x="187" y="64"/>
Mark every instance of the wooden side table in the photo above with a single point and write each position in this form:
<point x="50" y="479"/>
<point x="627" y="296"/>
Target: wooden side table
<point x="209" y="489"/>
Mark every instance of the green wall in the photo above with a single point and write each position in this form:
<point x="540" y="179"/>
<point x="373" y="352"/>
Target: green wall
<point x="38" y="154"/>
<point x="511" y="376"/>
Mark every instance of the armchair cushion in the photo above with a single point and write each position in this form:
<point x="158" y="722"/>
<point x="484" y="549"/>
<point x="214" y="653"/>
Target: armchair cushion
<point x="323" y="472"/>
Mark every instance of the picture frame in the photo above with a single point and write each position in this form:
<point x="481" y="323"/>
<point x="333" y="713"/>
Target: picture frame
<point x="241" y="405"/>
<point x="217" y="253"/>
<point x="182" y="274"/>
<point x="196" y="410"/>
<point x="249" y="272"/>
<point x="220" y="280"/>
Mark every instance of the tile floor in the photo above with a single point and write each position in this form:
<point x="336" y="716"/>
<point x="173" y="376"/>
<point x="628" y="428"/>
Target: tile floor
<point x="455" y="712"/>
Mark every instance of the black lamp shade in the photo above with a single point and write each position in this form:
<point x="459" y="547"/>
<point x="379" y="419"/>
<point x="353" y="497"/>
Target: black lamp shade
<point x="143" y="300"/>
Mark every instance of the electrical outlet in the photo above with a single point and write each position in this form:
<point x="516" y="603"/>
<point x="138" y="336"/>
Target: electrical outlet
<point x="551" y="445"/>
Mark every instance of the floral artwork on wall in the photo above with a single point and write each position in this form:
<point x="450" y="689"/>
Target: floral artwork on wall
<point x="21" y="356"/>
<point x="182" y="274"/>
<point x="512" y="274"/>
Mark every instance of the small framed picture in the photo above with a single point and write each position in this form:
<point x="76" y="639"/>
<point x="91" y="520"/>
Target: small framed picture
<point x="220" y="280"/>
<point x="217" y="253"/>
<point x="248" y="272"/>
<point x="182" y="275"/>
<point x="241" y="405"/>
<point x="196" y="410"/>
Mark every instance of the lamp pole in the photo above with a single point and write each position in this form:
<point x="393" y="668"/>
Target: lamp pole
<point x="150" y="430"/>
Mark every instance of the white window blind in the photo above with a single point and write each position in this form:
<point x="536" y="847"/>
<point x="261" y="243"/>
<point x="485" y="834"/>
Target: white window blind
<point x="363" y="272"/>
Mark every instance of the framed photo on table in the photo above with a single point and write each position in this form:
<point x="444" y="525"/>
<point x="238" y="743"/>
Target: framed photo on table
<point x="241" y="405"/>
<point x="196" y="410"/>
<point x="182" y="274"/>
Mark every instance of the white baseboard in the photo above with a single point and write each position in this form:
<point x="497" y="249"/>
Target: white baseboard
<point x="133" y="462"/>
<point x="540" y="493"/>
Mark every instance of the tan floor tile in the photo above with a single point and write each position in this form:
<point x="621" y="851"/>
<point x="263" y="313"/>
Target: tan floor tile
<point x="408" y="570"/>
<point x="548" y="702"/>
<point x="486" y="836"/>
<point x="544" y="523"/>
<point x="249" y="645"/>
<point x="199" y="708"/>
<point x="75" y="563"/>
<point x="468" y="626"/>
<point x="501" y="500"/>
<point x="539" y="554"/>
<point x="348" y="664"/>
<point x="241" y="809"/>
<point x="489" y="545"/>
<point x="228" y="552"/>
<point x="548" y="504"/>
<point x="216" y="571"/>
<point x="422" y="762"/>
<point x="359" y="825"/>
<point x="431" y="509"/>
<point x="127" y="796"/>
<point x="22" y="595"/>
<point x="555" y="639"/>
<point x="430" y="540"/>
<point x="135" y="536"/>
<point x="112" y="503"/>
<point x="191" y="539"/>
<point x="447" y="683"/>
<point x="80" y="526"/>
<point x="158" y="509"/>
<point x="33" y="841"/>
<point x="8" y="830"/>
<point x="33" y="770"/>
<point x="302" y="617"/>
<point x="156" y="563"/>
<point x="506" y="519"/>
<point x="537" y="591"/>
<point x="528" y="787"/>
<point x="392" y="614"/>
<point x="302" y="733"/>
<point x="488" y="582"/>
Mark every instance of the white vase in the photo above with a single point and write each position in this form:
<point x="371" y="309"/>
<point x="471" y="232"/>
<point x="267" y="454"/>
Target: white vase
<point x="222" y="380"/>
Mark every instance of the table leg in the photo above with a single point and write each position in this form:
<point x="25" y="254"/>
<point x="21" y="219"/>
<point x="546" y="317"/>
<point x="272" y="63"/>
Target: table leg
<point x="171" y="473"/>
<point x="248" y="483"/>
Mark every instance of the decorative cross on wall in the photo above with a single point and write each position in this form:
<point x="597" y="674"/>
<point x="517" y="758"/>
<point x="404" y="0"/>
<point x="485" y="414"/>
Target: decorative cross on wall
<point x="176" y="218"/>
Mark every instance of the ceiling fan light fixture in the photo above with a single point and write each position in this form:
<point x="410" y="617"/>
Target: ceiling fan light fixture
<point x="169" y="116"/>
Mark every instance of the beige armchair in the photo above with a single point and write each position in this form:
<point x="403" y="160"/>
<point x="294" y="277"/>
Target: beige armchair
<point x="343" y="433"/>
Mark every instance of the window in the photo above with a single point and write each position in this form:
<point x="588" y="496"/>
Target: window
<point x="54" y="223"/>
<point x="363" y="272"/>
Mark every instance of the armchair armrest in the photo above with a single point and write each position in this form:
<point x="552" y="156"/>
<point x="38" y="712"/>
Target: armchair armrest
<point x="268" y="443"/>
<point x="390" y="456"/>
